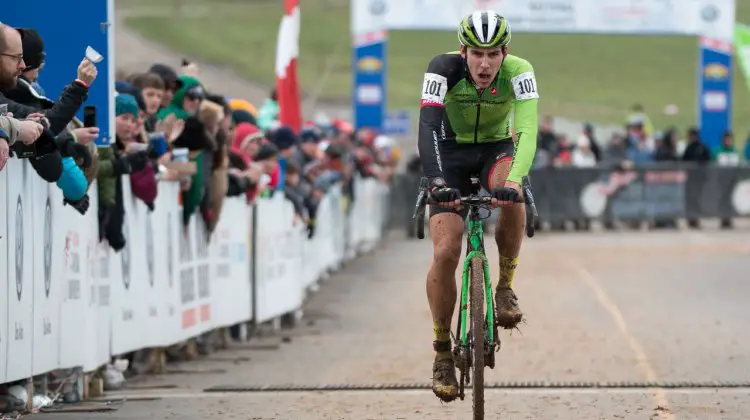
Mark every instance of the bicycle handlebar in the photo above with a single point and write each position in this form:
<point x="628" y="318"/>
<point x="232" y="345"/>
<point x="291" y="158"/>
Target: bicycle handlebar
<point x="472" y="200"/>
<point x="424" y="198"/>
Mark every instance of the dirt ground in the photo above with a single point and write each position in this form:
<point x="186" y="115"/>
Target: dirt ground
<point x="668" y="306"/>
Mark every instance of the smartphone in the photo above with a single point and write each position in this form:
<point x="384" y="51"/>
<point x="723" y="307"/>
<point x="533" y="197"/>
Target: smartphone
<point x="89" y="116"/>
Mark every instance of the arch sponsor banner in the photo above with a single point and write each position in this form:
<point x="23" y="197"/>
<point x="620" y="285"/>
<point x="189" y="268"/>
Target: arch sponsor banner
<point x="714" y="18"/>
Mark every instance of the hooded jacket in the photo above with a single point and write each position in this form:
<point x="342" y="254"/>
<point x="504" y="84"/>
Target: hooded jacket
<point x="175" y="106"/>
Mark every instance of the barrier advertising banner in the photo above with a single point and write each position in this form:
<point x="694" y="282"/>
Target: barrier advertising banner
<point x="715" y="90"/>
<point x="369" y="63"/>
<point x="72" y="301"/>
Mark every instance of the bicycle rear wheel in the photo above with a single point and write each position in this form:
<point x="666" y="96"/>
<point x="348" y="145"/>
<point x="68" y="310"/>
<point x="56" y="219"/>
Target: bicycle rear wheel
<point x="476" y="296"/>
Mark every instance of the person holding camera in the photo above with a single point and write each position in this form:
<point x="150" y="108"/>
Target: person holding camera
<point x="46" y="156"/>
<point x="13" y="130"/>
<point x="64" y="109"/>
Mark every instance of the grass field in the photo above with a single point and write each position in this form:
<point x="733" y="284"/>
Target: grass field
<point x="595" y="78"/>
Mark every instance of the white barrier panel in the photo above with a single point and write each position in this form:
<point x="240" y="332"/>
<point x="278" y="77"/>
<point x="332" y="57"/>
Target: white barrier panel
<point x="194" y="268"/>
<point x="230" y="252"/>
<point x="88" y="240"/>
<point x="77" y="303"/>
<point x="129" y="296"/>
<point x="4" y="268"/>
<point x="279" y="256"/>
<point x="20" y="270"/>
<point x="48" y="264"/>
<point x="338" y="227"/>
<point x="203" y="269"/>
<point x="71" y="236"/>
<point x="165" y="259"/>
<point x="101" y="275"/>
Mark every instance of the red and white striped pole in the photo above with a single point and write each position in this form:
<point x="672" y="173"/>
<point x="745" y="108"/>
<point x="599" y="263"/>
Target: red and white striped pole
<point x="287" y="50"/>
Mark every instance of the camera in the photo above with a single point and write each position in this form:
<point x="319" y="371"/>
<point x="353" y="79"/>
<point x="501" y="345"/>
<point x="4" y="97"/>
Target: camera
<point x="45" y="144"/>
<point x="22" y="151"/>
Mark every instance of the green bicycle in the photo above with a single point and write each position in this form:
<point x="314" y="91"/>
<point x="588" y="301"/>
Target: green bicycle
<point x="476" y="335"/>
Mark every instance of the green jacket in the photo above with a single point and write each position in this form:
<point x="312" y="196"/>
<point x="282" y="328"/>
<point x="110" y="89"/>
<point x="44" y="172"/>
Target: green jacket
<point x="267" y="114"/>
<point x="191" y="198"/>
<point x="106" y="179"/>
<point x="175" y="106"/>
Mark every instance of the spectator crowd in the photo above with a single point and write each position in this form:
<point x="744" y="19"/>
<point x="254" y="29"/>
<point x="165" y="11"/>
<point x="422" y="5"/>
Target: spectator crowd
<point x="170" y="127"/>
<point x="638" y="144"/>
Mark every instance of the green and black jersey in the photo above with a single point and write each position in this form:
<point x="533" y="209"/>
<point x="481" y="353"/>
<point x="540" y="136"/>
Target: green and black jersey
<point x="454" y="110"/>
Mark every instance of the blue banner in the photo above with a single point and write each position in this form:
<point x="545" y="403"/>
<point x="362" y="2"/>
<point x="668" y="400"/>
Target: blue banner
<point x="369" y="84"/>
<point x="397" y="123"/>
<point x="67" y="27"/>
<point x="714" y="91"/>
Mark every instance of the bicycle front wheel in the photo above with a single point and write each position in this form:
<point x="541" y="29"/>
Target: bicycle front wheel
<point x="476" y="296"/>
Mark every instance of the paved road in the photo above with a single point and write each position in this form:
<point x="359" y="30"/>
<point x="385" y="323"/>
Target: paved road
<point x="600" y="306"/>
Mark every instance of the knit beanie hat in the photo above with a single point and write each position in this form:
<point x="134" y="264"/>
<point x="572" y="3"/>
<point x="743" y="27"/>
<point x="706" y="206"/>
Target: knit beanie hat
<point x="241" y="133"/>
<point x="240" y="116"/>
<point x="283" y="137"/>
<point x="266" y="151"/>
<point x="33" y="48"/>
<point x="125" y="87"/>
<point x="126" y="104"/>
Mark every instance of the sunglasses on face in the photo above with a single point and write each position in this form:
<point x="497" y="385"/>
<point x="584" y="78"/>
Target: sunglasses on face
<point x="196" y="92"/>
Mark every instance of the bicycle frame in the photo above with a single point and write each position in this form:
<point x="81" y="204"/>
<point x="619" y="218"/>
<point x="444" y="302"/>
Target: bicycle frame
<point x="462" y="349"/>
<point x="475" y="249"/>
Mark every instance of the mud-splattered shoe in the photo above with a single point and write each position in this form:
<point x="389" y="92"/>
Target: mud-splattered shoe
<point x="507" y="312"/>
<point x="444" y="382"/>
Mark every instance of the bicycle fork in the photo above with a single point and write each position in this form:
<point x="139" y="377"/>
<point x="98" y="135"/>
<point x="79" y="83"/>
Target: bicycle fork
<point x="463" y="340"/>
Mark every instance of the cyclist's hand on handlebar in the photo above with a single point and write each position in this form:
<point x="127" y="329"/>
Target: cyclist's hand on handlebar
<point x="443" y="195"/>
<point x="509" y="195"/>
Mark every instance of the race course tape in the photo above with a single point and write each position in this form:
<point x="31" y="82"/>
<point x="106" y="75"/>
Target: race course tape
<point x="492" y="385"/>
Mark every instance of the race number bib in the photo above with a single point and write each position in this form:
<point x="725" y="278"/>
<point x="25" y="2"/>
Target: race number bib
<point x="524" y="86"/>
<point x="434" y="89"/>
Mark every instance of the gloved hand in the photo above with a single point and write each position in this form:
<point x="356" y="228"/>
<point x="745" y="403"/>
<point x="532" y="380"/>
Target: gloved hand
<point x="81" y="205"/>
<point x="507" y="194"/>
<point x="445" y="196"/>
<point x="310" y="228"/>
<point x="133" y="162"/>
<point x="69" y="148"/>
<point x="121" y="165"/>
<point x="137" y="160"/>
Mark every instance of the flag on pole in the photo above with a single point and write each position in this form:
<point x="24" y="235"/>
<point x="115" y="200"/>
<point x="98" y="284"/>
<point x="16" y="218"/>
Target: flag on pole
<point x="287" y="51"/>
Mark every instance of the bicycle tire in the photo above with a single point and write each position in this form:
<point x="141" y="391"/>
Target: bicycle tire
<point x="476" y="297"/>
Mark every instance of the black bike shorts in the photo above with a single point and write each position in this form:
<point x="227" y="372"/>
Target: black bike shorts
<point x="462" y="161"/>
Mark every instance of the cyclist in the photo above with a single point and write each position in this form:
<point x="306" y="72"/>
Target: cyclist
<point x="468" y="97"/>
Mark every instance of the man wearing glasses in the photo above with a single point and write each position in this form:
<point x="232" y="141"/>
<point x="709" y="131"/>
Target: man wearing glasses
<point x="67" y="104"/>
<point x="11" y="66"/>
